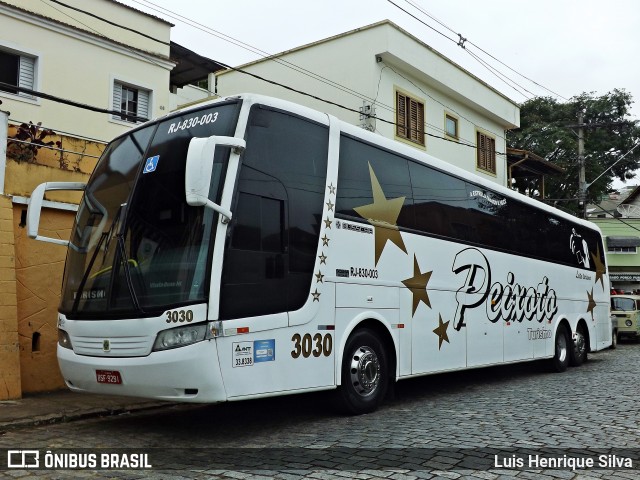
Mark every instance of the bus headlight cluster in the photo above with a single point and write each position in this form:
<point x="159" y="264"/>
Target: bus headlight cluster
<point x="180" y="336"/>
<point x="64" y="340"/>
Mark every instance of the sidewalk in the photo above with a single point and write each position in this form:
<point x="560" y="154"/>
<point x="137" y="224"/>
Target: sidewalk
<point x="64" y="406"/>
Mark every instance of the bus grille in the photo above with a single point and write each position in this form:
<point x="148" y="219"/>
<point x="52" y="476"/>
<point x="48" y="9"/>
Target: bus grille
<point x="112" y="347"/>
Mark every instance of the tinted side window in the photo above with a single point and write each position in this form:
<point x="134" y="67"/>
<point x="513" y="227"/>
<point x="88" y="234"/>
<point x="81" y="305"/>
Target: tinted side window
<point x="440" y="201"/>
<point x="276" y="215"/>
<point x="361" y="167"/>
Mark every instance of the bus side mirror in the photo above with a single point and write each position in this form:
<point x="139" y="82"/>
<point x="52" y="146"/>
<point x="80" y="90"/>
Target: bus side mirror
<point x="199" y="168"/>
<point x="35" y="207"/>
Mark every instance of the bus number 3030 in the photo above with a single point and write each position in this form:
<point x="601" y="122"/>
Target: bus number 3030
<point x="307" y="346"/>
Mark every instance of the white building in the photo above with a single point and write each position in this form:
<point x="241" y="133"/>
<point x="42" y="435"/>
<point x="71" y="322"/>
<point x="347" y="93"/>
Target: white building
<point x="419" y="96"/>
<point x="63" y="52"/>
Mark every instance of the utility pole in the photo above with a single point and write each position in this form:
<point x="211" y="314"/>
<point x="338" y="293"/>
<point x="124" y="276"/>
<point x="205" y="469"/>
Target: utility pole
<point x="582" y="183"/>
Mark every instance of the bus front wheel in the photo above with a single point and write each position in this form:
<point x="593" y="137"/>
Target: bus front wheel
<point x="560" y="360"/>
<point x="365" y="375"/>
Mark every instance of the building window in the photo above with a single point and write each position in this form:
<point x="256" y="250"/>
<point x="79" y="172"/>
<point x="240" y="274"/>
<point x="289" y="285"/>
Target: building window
<point x="409" y="118"/>
<point x="130" y="100"/>
<point x="486" y="157"/>
<point x="17" y="70"/>
<point x="627" y="250"/>
<point x="451" y="126"/>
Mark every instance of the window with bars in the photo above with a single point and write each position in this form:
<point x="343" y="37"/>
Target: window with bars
<point x="17" y="70"/>
<point x="130" y="100"/>
<point x="486" y="152"/>
<point x="409" y="118"/>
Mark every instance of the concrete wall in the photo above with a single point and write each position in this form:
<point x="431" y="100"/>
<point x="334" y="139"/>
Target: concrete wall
<point x="78" y="58"/>
<point x="38" y="268"/>
<point x="10" y="386"/>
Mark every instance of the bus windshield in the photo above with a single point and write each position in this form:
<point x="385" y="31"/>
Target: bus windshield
<point x="137" y="248"/>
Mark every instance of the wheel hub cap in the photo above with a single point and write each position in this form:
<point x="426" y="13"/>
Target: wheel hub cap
<point x="365" y="371"/>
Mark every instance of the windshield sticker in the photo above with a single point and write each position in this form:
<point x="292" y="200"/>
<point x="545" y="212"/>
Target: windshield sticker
<point x="264" y="350"/>
<point x="151" y="164"/>
<point x="193" y="122"/>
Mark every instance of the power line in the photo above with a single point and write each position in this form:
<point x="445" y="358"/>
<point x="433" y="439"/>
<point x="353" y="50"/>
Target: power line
<point x="462" y="42"/>
<point x="66" y="101"/>
<point x="49" y="147"/>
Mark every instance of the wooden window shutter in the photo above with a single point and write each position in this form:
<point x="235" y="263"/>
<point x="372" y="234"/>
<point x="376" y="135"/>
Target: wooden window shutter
<point x="486" y="152"/>
<point x="416" y="122"/>
<point x="401" y="115"/>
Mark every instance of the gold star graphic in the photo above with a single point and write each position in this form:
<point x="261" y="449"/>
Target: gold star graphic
<point x="319" y="277"/>
<point x="325" y="240"/>
<point x="323" y="258"/>
<point x="332" y="189"/>
<point x="383" y="215"/>
<point x="329" y="205"/>
<point x="316" y="295"/>
<point x="600" y="270"/>
<point x="418" y="285"/>
<point x="592" y="303"/>
<point x="441" y="332"/>
<point x="327" y="223"/>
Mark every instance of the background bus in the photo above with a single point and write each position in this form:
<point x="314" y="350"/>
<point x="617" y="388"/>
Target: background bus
<point x="251" y="247"/>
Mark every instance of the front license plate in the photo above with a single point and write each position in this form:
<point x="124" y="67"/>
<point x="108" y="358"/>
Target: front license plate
<point x="108" y="376"/>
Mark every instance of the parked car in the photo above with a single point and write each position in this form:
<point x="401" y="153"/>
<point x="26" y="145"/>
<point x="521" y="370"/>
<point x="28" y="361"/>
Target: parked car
<point x="626" y="309"/>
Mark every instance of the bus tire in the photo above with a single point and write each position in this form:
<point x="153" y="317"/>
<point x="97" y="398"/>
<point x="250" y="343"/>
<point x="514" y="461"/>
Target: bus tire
<point x="365" y="373"/>
<point x="560" y="360"/>
<point x="579" y="351"/>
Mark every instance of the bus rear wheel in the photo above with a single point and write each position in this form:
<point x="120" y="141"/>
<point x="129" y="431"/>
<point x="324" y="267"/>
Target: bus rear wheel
<point x="365" y="375"/>
<point x="579" y="350"/>
<point x="560" y="360"/>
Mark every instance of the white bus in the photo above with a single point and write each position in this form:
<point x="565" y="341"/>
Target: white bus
<point x="252" y="247"/>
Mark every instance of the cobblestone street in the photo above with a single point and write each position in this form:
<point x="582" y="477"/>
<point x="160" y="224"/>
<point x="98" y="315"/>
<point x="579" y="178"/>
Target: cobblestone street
<point x="473" y="424"/>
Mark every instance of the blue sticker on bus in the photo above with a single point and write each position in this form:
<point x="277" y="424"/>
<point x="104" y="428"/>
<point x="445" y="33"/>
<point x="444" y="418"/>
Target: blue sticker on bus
<point x="151" y="164"/>
<point x="264" y="351"/>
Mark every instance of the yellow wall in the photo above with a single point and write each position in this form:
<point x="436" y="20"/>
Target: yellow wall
<point x="31" y="271"/>
<point x="39" y="267"/>
<point x="9" y="353"/>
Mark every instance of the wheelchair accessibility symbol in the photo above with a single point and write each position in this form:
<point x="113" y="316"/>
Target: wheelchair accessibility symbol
<point x="151" y="164"/>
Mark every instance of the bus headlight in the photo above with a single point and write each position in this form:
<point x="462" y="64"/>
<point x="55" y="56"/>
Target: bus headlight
<point x="64" y="340"/>
<point x="180" y="336"/>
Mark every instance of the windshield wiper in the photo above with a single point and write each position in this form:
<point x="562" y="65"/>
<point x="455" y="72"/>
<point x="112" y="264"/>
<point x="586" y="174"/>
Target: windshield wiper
<point x="127" y="272"/>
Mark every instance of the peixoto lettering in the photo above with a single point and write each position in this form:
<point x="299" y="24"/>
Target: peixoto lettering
<point x="508" y="300"/>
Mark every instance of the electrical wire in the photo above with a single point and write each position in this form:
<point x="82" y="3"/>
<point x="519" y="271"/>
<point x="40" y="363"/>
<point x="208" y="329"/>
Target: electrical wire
<point x="49" y="147"/>
<point x="72" y="103"/>
<point x="81" y="137"/>
<point x="462" y="42"/>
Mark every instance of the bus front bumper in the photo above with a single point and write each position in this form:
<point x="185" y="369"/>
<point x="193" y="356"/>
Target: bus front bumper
<point x="186" y="374"/>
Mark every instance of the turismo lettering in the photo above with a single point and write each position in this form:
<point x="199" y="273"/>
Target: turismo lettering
<point x="509" y="301"/>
